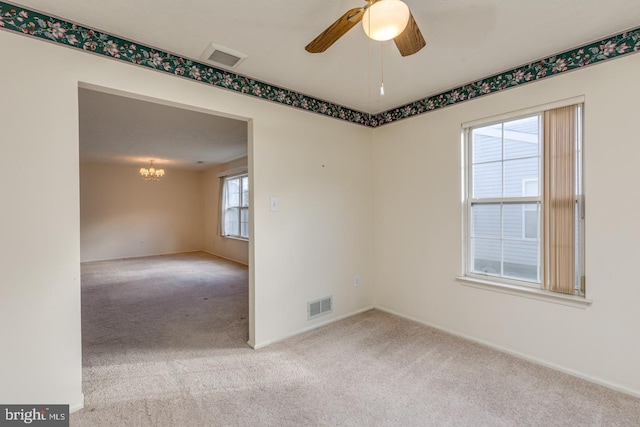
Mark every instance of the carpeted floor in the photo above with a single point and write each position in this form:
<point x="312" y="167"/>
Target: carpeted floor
<point x="164" y="344"/>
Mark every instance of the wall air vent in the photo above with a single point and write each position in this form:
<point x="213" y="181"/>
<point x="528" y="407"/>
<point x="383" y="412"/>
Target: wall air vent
<point x="319" y="307"/>
<point x="219" y="55"/>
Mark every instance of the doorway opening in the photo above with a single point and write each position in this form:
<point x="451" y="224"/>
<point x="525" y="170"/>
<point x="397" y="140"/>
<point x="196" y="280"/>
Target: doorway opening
<point x="160" y="280"/>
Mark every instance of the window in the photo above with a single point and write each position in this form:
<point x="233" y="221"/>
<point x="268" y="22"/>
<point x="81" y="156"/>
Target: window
<point x="523" y="201"/>
<point x="235" y="206"/>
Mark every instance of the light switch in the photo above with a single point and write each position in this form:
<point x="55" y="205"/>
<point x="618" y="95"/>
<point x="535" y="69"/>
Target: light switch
<point x="274" y="204"/>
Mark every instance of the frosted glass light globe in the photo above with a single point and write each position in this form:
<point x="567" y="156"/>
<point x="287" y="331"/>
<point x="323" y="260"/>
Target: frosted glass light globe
<point x="385" y="19"/>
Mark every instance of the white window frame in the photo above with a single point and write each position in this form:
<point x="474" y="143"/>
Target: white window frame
<point x="521" y="287"/>
<point x="240" y="207"/>
<point x="500" y="201"/>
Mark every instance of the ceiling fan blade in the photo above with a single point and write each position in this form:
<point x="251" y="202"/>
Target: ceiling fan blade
<point x="410" y="40"/>
<point x="335" y="31"/>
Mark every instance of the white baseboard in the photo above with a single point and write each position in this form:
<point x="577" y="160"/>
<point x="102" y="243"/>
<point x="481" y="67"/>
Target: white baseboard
<point x="143" y="256"/>
<point x="309" y="328"/>
<point x="519" y="355"/>
<point x="224" y="257"/>
<point x="78" y="406"/>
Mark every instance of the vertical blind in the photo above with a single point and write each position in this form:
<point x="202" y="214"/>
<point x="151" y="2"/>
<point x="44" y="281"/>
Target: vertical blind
<point x="559" y="199"/>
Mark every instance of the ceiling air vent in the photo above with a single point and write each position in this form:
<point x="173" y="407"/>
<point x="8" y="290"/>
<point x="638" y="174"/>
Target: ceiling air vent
<point x="220" y="55"/>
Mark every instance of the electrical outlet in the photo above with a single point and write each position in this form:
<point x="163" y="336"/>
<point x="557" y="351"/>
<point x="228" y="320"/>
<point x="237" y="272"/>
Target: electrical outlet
<point x="356" y="281"/>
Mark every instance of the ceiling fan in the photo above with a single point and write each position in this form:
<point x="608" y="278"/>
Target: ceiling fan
<point x="382" y="20"/>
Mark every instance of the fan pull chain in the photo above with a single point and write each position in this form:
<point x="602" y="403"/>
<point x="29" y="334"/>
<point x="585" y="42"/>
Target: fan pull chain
<point x="369" y="64"/>
<point x="381" y="69"/>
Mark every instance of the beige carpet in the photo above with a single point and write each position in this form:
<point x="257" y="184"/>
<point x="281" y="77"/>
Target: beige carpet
<point x="164" y="344"/>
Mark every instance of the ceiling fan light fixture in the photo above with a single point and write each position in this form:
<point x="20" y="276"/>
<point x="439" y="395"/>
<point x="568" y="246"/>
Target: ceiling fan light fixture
<point x="385" y="19"/>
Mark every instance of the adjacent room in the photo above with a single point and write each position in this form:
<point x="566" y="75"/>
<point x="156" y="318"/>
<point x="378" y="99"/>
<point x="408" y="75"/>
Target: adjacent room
<point x="200" y="201"/>
<point x="274" y="214"/>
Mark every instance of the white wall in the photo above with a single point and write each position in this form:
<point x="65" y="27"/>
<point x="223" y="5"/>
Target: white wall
<point x="418" y="230"/>
<point x="233" y="249"/>
<point x="321" y="236"/>
<point x="123" y="216"/>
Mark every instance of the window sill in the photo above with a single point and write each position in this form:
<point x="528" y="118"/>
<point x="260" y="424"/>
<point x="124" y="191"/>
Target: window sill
<point x="532" y="293"/>
<point x="242" y="239"/>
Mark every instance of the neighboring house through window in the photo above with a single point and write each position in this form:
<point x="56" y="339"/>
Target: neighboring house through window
<point x="530" y="211"/>
<point x="235" y="206"/>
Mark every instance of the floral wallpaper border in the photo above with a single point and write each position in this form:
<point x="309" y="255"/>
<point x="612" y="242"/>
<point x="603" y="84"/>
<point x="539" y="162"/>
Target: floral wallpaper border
<point x="609" y="48"/>
<point x="25" y="21"/>
<point x="45" y="27"/>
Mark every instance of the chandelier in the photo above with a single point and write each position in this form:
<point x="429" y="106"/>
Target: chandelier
<point x="151" y="174"/>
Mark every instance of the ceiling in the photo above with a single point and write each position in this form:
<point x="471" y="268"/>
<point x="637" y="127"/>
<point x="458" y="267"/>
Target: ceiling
<point x="124" y="130"/>
<point x="466" y="41"/>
